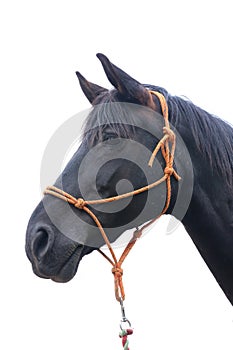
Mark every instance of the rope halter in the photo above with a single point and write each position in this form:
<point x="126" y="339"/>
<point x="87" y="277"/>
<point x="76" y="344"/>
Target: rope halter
<point x="82" y="204"/>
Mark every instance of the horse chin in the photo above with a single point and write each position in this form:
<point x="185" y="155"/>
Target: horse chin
<point x="69" y="269"/>
<point x="66" y="272"/>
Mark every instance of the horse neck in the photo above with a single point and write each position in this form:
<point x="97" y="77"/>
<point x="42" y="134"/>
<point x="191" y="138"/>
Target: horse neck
<point x="208" y="219"/>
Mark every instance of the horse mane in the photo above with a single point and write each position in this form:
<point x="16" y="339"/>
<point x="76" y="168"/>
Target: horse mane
<point x="213" y="137"/>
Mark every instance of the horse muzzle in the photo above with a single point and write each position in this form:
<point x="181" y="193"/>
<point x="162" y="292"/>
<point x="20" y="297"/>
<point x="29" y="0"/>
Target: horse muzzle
<point x="59" y="265"/>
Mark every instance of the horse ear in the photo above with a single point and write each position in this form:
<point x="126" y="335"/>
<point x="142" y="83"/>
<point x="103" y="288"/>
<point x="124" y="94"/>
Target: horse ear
<point x="125" y="84"/>
<point x="91" y="91"/>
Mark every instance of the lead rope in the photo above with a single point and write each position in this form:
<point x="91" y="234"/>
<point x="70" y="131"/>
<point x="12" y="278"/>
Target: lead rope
<point x="80" y="203"/>
<point x="124" y="335"/>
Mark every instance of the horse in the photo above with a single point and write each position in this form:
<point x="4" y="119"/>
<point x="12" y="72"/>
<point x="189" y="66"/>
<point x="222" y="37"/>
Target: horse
<point x="119" y="135"/>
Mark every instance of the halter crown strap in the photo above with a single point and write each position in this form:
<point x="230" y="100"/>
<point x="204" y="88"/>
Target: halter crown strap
<point x="82" y="204"/>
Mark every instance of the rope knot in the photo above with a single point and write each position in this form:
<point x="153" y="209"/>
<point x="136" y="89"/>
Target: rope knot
<point x="117" y="271"/>
<point x="170" y="133"/>
<point x="137" y="234"/>
<point x="119" y="288"/>
<point x="80" y="203"/>
<point x="168" y="171"/>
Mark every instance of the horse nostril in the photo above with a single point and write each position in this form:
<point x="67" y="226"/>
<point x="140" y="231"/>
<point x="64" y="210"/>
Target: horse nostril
<point x="41" y="243"/>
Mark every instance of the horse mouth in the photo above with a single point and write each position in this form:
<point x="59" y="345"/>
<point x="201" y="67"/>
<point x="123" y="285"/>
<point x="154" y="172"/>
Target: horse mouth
<point x="64" y="273"/>
<point x="70" y="266"/>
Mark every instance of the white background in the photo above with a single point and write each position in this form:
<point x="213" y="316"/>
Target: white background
<point x="172" y="299"/>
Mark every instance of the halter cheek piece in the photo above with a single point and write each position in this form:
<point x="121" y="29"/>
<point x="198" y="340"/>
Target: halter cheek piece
<point x="80" y="203"/>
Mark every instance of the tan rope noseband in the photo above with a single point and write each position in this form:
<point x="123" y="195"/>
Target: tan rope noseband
<point x="82" y="204"/>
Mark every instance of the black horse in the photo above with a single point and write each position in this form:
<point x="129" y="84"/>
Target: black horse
<point x="59" y="235"/>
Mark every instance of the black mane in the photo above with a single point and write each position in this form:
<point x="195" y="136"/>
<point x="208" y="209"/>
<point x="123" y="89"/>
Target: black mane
<point x="213" y="137"/>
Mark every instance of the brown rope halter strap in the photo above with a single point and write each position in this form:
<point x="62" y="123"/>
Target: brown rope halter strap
<point x="80" y="203"/>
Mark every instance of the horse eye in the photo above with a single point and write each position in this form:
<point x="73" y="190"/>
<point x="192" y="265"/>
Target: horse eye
<point x="109" y="136"/>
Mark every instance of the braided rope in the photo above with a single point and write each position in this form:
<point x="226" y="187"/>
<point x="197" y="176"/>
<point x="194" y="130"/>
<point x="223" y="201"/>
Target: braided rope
<point x="124" y="335"/>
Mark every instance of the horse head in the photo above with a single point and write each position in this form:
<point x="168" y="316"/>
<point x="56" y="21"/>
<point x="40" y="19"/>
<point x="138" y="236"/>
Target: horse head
<point x="119" y="135"/>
